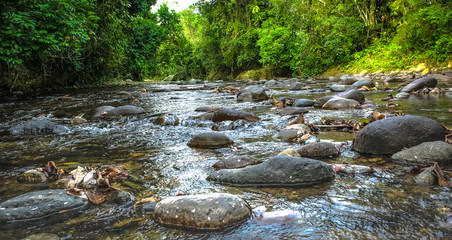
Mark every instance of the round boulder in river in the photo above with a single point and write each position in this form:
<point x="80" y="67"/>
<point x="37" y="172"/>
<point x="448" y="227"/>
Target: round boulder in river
<point x="340" y="103"/>
<point x="252" y="94"/>
<point x="425" y="153"/>
<point x="420" y="84"/>
<point x="318" y="149"/>
<point x="210" y="140"/>
<point x="33" y="205"/>
<point x="278" y="171"/>
<point x="124" y="110"/>
<point x="205" y="212"/>
<point x="390" y="135"/>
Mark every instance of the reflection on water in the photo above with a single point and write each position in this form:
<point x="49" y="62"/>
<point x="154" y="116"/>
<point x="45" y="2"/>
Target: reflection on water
<point x="383" y="205"/>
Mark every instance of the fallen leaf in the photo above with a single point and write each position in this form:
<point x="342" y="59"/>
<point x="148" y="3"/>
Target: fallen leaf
<point x="442" y="179"/>
<point x="147" y="200"/>
<point x="95" y="197"/>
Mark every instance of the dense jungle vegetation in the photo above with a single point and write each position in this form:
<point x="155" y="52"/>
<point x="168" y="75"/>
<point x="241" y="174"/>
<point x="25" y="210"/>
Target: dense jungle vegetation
<point x="65" y="42"/>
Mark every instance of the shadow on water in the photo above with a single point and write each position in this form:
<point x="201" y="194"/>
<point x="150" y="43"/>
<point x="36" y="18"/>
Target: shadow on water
<point x="385" y="204"/>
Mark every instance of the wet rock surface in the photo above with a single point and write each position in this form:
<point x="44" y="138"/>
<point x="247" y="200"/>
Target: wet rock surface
<point x="124" y="111"/>
<point x="424" y="153"/>
<point x="278" y="171"/>
<point x="32" y="176"/>
<point x="205" y="212"/>
<point x="236" y="162"/>
<point x="391" y="135"/>
<point x="303" y="103"/>
<point x="210" y="140"/>
<point x="420" y="83"/>
<point x="227" y="114"/>
<point x="34" y="205"/>
<point x="318" y="150"/>
<point x="353" y="94"/>
<point x="340" y="103"/>
<point x="252" y="94"/>
<point x="38" y="126"/>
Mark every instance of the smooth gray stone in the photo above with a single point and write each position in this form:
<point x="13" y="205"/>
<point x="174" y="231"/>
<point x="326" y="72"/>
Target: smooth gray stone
<point x="424" y="153"/>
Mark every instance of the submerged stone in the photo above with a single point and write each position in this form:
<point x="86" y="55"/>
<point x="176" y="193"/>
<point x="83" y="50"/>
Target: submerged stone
<point x="204" y="212"/>
<point x="278" y="171"/>
<point x="34" y="205"/>
<point x="38" y="126"/>
<point x="210" y="140"/>
<point x="318" y="150"/>
<point x="390" y="135"/>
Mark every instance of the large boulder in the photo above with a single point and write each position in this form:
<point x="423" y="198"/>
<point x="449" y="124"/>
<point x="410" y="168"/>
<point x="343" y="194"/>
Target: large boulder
<point x="321" y="101"/>
<point x="100" y="112"/>
<point x="353" y="94"/>
<point x="38" y="126"/>
<point x="227" y="114"/>
<point x="340" y="103"/>
<point x="278" y="171"/>
<point x="210" y="140"/>
<point x="390" y="135"/>
<point x="318" y="150"/>
<point x="34" y="205"/>
<point x="124" y="111"/>
<point x="364" y="82"/>
<point x="425" y="153"/>
<point x="252" y="94"/>
<point x="236" y="162"/>
<point x="206" y="212"/>
<point x="420" y="84"/>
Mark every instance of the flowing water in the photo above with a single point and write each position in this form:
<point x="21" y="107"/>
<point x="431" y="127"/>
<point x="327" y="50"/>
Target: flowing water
<point x="385" y="204"/>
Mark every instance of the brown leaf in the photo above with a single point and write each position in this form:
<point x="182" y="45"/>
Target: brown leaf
<point x="147" y="200"/>
<point x="442" y="179"/>
<point x="298" y="120"/>
<point x="95" y="197"/>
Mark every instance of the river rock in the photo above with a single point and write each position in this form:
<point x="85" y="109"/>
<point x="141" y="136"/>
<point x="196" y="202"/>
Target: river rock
<point x="252" y="94"/>
<point x="124" y="111"/>
<point x="32" y="176"/>
<point x="100" y="112"/>
<point x="340" y="103"/>
<point x="278" y="217"/>
<point x="297" y="86"/>
<point x="38" y="126"/>
<point x="205" y="212"/>
<point x="353" y="94"/>
<point x="444" y="79"/>
<point x="42" y="236"/>
<point x="303" y="103"/>
<point x="205" y="116"/>
<point x="425" y="177"/>
<point x="321" y="101"/>
<point x="167" y="120"/>
<point x="425" y="153"/>
<point x="227" y="114"/>
<point x="340" y="88"/>
<point x="318" y="150"/>
<point x="402" y="95"/>
<point x="278" y="171"/>
<point x="206" y="109"/>
<point x="390" y="135"/>
<point x="292" y="111"/>
<point x="420" y="84"/>
<point x="287" y="135"/>
<point x="236" y="162"/>
<point x="33" y="205"/>
<point x="210" y="140"/>
<point x="271" y="83"/>
<point x="364" y="82"/>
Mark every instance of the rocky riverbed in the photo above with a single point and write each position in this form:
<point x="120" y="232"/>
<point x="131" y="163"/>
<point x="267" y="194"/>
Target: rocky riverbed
<point x="269" y="159"/>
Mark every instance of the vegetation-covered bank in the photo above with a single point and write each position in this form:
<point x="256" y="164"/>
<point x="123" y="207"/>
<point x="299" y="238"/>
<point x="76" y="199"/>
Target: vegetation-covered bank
<point x="62" y="42"/>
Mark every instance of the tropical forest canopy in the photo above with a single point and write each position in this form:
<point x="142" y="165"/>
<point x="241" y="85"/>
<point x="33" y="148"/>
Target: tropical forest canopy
<point x="65" y="42"/>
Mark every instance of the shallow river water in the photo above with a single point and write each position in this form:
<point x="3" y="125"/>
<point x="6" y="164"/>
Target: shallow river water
<point x="385" y="204"/>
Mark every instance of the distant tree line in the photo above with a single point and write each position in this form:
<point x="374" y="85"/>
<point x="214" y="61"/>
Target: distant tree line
<point x="65" y="42"/>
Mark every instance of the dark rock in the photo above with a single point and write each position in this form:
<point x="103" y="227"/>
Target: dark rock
<point x="210" y="140"/>
<point x="353" y="94"/>
<point x="227" y="114"/>
<point x="207" y="211"/>
<point x="390" y="135"/>
<point x="321" y="101"/>
<point x="34" y="205"/>
<point x="205" y="116"/>
<point x="364" y="82"/>
<point x="278" y="171"/>
<point x="425" y="177"/>
<point x="100" y="112"/>
<point x="420" y="84"/>
<point x="38" y="126"/>
<point x="236" y="162"/>
<point x="292" y="111"/>
<point x="296" y="86"/>
<point x="425" y="153"/>
<point x="124" y="111"/>
<point x="340" y="103"/>
<point x="318" y="150"/>
<point x="317" y="90"/>
<point x="252" y="94"/>
<point x="303" y="103"/>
